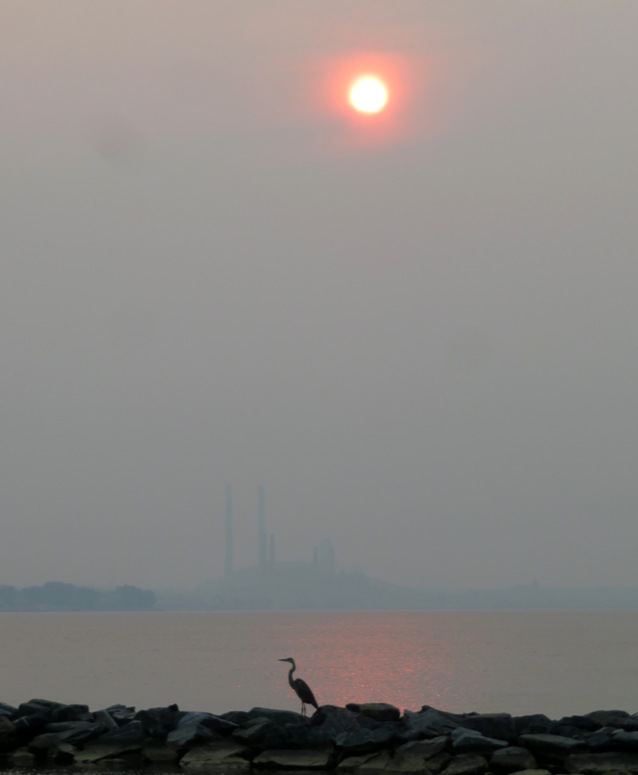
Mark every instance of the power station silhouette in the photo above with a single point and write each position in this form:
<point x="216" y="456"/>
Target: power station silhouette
<point x="323" y="555"/>
<point x="273" y="583"/>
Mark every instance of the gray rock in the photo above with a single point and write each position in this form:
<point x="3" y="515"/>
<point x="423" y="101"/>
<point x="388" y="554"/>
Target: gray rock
<point x="601" y="739"/>
<point x="291" y="731"/>
<point x="511" y="759"/>
<point x="64" y="754"/>
<point x="278" y="716"/>
<point x="625" y="741"/>
<point x="83" y="732"/>
<point x="226" y="754"/>
<point x="466" y="764"/>
<point x="409" y="767"/>
<point x="333" y="721"/>
<point x="378" y="762"/>
<point x="469" y="741"/>
<point x="262" y="733"/>
<point x="351" y="763"/>
<point x="238" y="717"/>
<point x="575" y="724"/>
<point x="125" y="763"/>
<point x="439" y="762"/>
<point x="8" y="710"/>
<point x="266" y="734"/>
<point x="77" y="734"/>
<point x="294" y="760"/>
<point x="104" y="717"/>
<point x="208" y="720"/>
<point x="363" y="740"/>
<point x="369" y="737"/>
<point x="379" y="711"/>
<point x="424" y="748"/>
<point x="65" y="726"/>
<point x="70" y="713"/>
<point x="535" y="724"/>
<point x="299" y="737"/>
<point x="555" y="746"/>
<point x="7" y="734"/>
<point x="96" y="751"/>
<point x="158" y="752"/>
<point x="532" y="772"/>
<point x="500" y="726"/>
<point x="188" y="735"/>
<point x="383" y="760"/>
<point x="45" y="741"/>
<point x="416" y="756"/>
<point x="121" y="714"/>
<point x="27" y="727"/>
<point x="131" y="734"/>
<point x="428" y="723"/>
<point x="128" y="739"/>
<point x="608" y="718"/>
<point x="22" y="758"/>
<point x="45" y="707"/>
<point x="158" y="722"/>
<point x="600" y="763"/>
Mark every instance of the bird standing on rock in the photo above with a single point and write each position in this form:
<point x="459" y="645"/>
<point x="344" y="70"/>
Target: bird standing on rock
<point x="300" y="687"/>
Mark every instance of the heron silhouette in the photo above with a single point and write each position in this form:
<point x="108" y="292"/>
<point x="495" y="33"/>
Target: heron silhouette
<point x="300" y="687"/>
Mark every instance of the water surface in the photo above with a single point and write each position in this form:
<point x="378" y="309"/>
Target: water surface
<point x="556" y="663"/>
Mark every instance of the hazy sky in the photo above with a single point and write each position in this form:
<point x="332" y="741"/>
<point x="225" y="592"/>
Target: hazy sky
<point x="417" y="331"/>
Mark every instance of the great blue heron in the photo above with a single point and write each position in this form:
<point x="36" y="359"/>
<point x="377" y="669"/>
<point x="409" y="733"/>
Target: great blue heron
<point x="300" y="687"/>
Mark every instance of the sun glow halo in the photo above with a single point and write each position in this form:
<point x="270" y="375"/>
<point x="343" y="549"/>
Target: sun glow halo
<point x="368" y="94"/>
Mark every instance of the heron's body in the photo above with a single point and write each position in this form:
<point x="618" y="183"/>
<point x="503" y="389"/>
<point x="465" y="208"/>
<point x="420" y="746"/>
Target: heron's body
<point x="300" y="687"/>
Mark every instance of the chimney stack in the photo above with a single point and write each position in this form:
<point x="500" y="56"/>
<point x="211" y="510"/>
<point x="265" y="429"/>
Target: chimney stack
<point x="228" y="555"/>
<point x="263" y="556"/>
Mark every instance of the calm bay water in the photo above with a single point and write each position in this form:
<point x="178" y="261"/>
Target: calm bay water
<point x="556" y="663"/>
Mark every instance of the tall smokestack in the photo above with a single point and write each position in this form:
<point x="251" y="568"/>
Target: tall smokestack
<point x="263" y="557"/>
<point x="228" y="555"/>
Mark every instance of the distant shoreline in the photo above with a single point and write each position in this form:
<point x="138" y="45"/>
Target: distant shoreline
<point x="338" y="592"/>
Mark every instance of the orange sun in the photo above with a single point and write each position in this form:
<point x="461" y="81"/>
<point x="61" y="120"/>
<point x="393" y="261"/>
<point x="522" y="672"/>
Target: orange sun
<point x="368" y="94"/>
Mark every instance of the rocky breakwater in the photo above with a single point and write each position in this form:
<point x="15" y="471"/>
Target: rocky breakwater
<point x="362" y="738"/>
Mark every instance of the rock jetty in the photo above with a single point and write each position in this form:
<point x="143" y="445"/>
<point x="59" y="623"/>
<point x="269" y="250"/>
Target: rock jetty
<point x="366" y="739"/>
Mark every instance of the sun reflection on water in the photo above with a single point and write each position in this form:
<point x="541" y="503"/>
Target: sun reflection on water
<point x="360" y="657"/>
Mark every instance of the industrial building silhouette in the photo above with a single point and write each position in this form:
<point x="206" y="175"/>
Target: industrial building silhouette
<point x="323" y="555"/>
<point x="272" y="583"/>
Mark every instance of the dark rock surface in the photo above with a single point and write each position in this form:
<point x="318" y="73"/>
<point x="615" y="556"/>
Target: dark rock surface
<point x="552" y="746"/>
<point x="469" y="741"/>
<point x="365" y="738"/>
<point x="512" y="759"/>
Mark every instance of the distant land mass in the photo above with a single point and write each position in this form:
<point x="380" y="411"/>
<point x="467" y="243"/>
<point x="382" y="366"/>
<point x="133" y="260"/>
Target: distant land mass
<point x="305" y="587"/>
<point x="311" y="587"/>
<point x="58" y="596"/>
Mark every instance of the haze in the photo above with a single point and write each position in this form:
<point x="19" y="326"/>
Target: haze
<point x="422" y="342"/>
